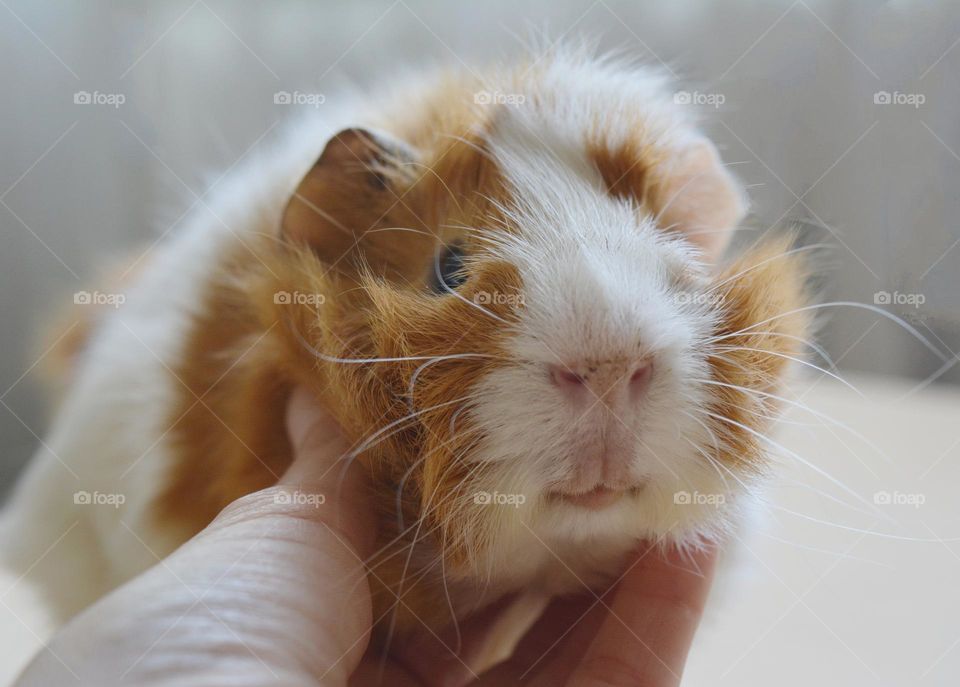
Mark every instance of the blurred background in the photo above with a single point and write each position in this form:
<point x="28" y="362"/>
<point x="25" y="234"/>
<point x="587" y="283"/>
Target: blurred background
<point x="119" y="117"/>
<point x="844" y="117"/>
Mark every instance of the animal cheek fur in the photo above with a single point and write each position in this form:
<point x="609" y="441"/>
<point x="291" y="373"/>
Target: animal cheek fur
<point x="762" y="328"/>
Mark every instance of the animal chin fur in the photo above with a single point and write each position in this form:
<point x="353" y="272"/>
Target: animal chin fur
<point x="589" y="208"/>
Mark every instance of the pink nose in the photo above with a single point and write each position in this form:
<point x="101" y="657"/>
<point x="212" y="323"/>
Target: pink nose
<point x="606" y="379"/>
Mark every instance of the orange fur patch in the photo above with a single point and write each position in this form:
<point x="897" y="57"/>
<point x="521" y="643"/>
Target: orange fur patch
<point x="688" y="192"/>
<point x="760" y="294"/>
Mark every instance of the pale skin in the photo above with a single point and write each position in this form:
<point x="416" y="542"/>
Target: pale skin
<point x="274" y="592"/>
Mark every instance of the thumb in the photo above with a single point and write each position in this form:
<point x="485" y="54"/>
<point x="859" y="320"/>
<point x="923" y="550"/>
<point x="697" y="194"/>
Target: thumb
<point x="324" y="475"/>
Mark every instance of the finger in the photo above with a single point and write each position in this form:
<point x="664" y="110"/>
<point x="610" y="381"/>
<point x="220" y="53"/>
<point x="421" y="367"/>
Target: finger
<point x="325" y="474"/>
<point x="301" y="544"/>
<point x="445" y="658"/>
<point x="553" y="646"/>
<point x="650" y="625"/>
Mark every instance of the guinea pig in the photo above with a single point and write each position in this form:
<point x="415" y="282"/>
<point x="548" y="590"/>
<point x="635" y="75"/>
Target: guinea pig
<point x="508" y="288"/>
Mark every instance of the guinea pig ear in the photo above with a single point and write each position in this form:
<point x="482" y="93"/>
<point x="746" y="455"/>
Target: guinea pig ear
<point x="349" y="188"/>
<point x="695" y="195"/>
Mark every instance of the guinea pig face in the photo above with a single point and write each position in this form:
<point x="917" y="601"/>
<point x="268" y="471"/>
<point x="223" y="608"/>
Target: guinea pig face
<point x="590" y="419"/>
<point x="591" y="426"/>
<point x="547" y="359"/>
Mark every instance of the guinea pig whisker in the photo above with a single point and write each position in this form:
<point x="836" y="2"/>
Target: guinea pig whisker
<point x="771" y="418"/>
<point x="718" y="466"/>
<point x="453" y="292"/>
<point x="764" y="416"/>
<point x="709" y="430"/>
<point x="797" y="457"/>
<point x="377" y="437"/>
<point x="391" y="629"/>
<point x="379" y="556"/>
<point x="882" y="535"/>
<point x="819" y="350"/>
<point x="710" y="461"/>
<point x="676" y="194"/>
<point x="458" y="646"/>
<point x="416" y="534"/>
<point x="826" y="495"/>
<point x="865" y="306"/>
<point x="415" y="579"/>
<point x="409" y="472"/>
<point x="366" y="361"/>
<point x="431" y="170"/>
<point x="408" y="229"/>
<point x="369" y="441"/>
<point x="423" y="515"/>
<point x="778" y="256"/>
<point x="469" y="143"/>
<point x="703" y="230"/>
<point x="816" y="549"/>
<point x="751" y="373"/>
<point x="800" y="361"/>
<point x="453" y="419"/>
<point x="416" y="375"/>
<point x="801" y="406"/>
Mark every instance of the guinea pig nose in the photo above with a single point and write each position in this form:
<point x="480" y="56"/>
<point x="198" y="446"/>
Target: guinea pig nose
<point x="565" y="377"/>
<point x="606" y="379"/>
<point x="640" y="376"/>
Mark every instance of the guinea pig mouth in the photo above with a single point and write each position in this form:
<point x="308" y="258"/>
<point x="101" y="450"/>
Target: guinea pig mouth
<point x="598" y="498"/>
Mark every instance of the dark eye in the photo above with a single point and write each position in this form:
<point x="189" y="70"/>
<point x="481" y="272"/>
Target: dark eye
<point x="448" y="271"/>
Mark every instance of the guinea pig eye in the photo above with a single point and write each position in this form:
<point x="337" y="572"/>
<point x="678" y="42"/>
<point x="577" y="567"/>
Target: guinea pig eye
<point x="448" y="271"/>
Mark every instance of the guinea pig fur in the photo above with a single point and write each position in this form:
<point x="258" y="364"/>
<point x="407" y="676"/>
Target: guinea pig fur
<point x="508" y="289"/>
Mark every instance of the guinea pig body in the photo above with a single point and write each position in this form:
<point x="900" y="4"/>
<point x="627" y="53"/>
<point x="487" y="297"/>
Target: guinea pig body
<point x="506" y="289"/>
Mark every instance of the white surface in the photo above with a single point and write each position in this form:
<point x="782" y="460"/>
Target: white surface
<point x="818" y="604"/>
<point x="869" y="609"/>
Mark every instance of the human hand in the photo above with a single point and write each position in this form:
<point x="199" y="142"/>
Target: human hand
<point x="274" y="592"/>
